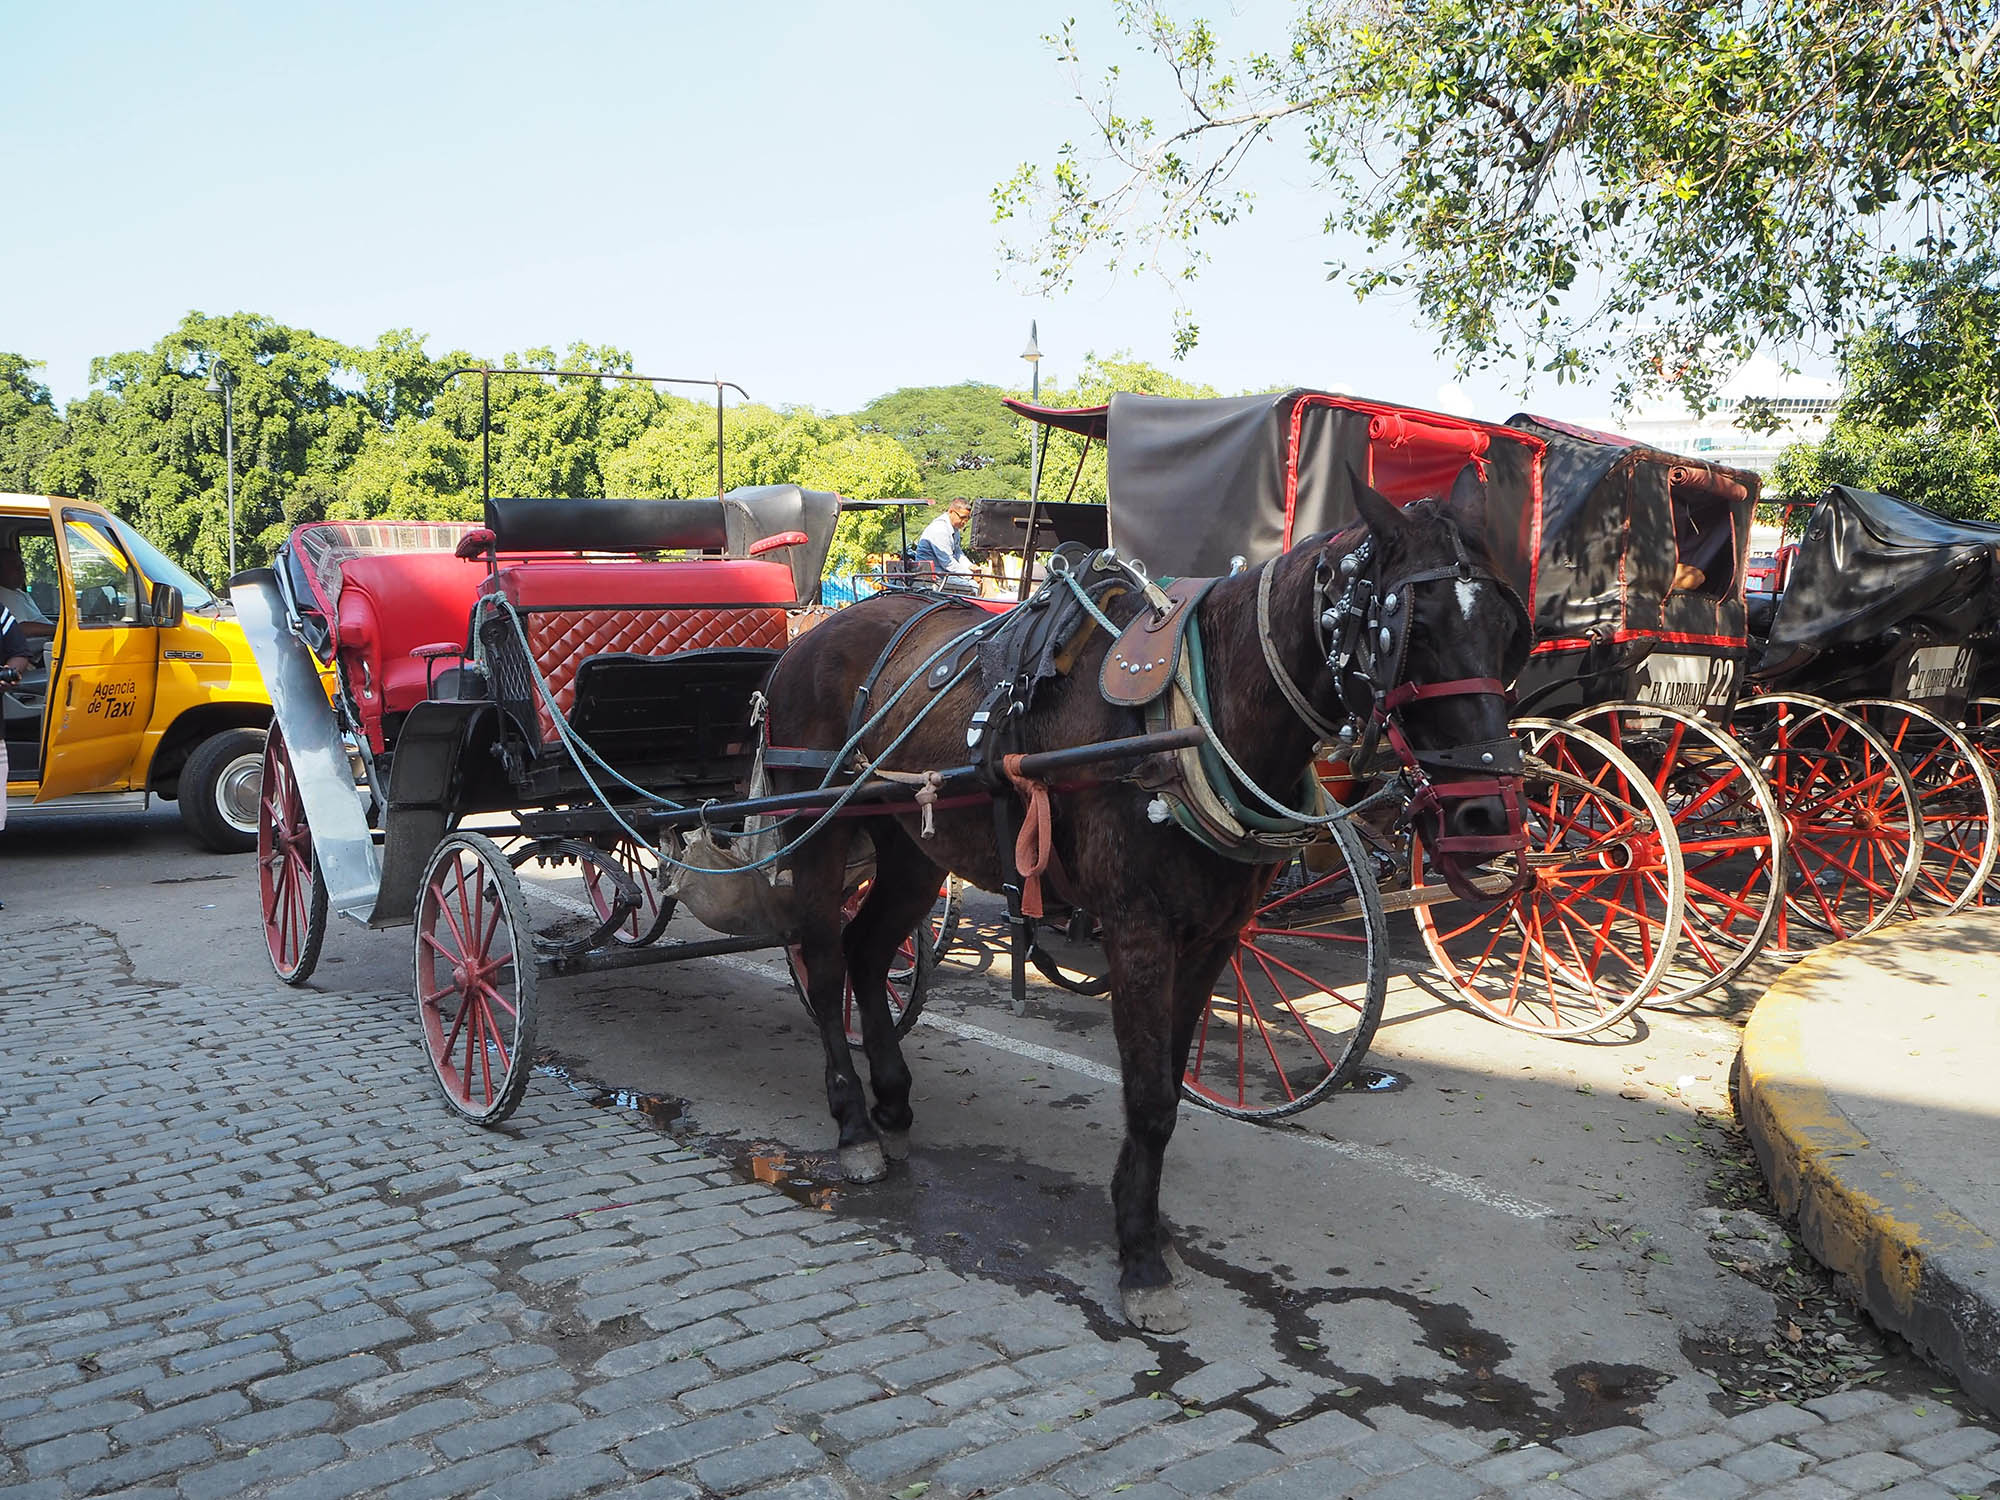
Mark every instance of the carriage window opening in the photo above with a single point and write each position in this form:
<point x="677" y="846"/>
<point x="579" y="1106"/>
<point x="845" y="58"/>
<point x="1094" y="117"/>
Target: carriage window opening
<point x="1704" y="542"/>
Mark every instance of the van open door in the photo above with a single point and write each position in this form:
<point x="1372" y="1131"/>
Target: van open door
<point x="101" y="692"/>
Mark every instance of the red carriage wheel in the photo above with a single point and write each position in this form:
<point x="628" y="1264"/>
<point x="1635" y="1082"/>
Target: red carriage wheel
<point x="656" y="908"/>
<point x="909" y="973"/>
<point x="291" y="891"/>
<point x="1982" y="729"/>
<point x="475" y="977"/>
<point x="1293" y="1014"/>
<point x="1595" y="930"/>
<point x="1731" y="834"/>
<point x="1955" y="797"/>
<point x="1852" y="833"/>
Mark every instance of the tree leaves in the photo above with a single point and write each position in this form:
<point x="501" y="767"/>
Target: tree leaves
<point x="1630" y="187"/>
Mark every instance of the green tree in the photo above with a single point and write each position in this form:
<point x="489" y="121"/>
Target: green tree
<point x="1920" y="416"/>
<point x="149" y="442"/>
<point x="764" y="445"/>
<point x="30" y="426"/>
<point x="1069" y="459"/>
<point x="965" y="443"/>
<point x="1635" y="187"/>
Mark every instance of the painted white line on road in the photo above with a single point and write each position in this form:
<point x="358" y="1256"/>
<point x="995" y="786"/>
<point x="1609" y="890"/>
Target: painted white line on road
<point x="1368" y="1156"/>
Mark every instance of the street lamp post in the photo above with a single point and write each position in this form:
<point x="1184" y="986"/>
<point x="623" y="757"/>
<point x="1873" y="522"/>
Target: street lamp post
<point x="221" y="379"/>
<point x="1033" y="355"/>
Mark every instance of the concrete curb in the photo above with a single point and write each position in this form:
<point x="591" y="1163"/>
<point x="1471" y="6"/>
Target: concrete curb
<point x="1915" y="1264"/>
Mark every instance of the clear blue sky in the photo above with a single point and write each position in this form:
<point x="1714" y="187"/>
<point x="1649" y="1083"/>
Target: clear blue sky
<point x="793" y="196"/>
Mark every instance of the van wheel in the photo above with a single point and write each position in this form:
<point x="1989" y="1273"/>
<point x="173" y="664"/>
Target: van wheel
<point x="219" y="786"/>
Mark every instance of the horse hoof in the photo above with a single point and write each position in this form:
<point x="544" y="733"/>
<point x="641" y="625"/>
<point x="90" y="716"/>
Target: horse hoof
<point x="896" y="1145"/>
<point x="1156" y="1309"/>
<point x="863" y="1162"/>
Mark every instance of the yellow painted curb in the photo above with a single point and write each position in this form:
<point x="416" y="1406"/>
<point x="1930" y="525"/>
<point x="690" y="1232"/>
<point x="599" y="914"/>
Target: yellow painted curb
<point x="1916" y="1265"/>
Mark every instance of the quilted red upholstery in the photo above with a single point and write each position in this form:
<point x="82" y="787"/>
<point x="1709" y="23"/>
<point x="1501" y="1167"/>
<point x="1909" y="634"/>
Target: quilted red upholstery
<point x="560" y="640"/>
<point x="390" y="604"/>
<point x="574" y="609"/>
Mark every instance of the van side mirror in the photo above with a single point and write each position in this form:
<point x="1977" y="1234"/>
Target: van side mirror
<point x="167" y="606"/>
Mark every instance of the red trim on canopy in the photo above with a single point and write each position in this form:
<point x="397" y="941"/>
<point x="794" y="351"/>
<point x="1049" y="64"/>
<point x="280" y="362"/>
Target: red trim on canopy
<point x="1090" y="421"/>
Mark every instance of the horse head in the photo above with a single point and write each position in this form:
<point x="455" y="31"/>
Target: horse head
<point x="1425" y="637"/>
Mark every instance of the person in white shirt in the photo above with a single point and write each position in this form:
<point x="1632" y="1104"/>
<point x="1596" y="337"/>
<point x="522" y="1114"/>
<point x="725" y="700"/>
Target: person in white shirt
<point x="938" y="550"/>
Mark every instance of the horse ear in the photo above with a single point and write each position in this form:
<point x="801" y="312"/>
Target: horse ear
<point x="1467" y="504"/>
<point x="1375" y="508"/>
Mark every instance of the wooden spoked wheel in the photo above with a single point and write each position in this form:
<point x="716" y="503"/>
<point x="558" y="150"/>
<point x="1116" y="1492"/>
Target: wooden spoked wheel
<point x="1595" y="930"/>
<point x="1852" y="832"/>
<point x="1955" y="795"/>
<point x="1982" y="729"/>
<point x="291" y="892"/>
<point x="1293" y="1014"/>
<point x="475" y="978"/>
<point x="656" y="908"/>
<point x="1731" y="835"/>
<point x="909" y="974"/>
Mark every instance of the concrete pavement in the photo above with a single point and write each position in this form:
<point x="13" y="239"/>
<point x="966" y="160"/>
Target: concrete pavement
<point x="1870" y="1086"/>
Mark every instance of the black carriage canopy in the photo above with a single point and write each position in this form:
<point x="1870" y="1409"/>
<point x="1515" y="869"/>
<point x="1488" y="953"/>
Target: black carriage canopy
<point x="1637" y="542"/>
<point x="1195" y="483"/>
<point x="1870" y="563"/>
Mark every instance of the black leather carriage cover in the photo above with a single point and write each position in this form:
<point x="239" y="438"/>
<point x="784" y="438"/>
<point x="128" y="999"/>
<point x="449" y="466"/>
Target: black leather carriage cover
<point x="1002" y="525"/>
<point x="1195" y="483"/>
<point x="1617" y="516"/>
<point x="1870" y="563"/>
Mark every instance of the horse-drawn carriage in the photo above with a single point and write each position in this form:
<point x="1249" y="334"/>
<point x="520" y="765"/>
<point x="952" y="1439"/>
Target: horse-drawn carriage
<point x="1893" y="611"/>
<point x="529" y="675"/>
<point x="1565" y="937"/>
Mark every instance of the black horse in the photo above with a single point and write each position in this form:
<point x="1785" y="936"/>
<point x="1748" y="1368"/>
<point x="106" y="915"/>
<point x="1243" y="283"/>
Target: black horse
<point x="1427" y="674"/>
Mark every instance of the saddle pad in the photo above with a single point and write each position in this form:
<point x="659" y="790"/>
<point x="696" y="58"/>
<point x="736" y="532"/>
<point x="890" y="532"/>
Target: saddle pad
<point x="1141" y="661"/>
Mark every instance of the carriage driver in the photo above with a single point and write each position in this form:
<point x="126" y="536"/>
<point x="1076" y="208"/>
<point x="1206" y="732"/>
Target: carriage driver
<point x="13" y="662"/>
<point x="938" y="550"/>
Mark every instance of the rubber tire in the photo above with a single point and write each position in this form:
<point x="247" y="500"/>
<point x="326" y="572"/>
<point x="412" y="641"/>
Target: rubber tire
<point x="214" y="759"/>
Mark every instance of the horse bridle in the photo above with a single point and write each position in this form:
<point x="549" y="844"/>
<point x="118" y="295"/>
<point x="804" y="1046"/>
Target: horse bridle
<point x="1364" y="634"/>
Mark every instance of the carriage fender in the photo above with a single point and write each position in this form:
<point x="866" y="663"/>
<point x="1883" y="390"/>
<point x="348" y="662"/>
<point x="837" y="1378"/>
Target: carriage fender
<point x="427" y="792"/>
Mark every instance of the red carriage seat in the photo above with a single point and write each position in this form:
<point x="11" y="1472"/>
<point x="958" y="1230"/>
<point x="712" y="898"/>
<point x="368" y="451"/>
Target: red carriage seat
<point x="572" y="610"/>
<point x="390" y="604"/>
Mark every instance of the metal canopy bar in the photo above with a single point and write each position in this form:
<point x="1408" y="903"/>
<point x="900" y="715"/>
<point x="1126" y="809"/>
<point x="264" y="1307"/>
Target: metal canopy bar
<point x="487" y="372"/>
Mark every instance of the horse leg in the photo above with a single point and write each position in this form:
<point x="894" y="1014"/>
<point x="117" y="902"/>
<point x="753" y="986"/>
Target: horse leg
<point x="902" y="893"/>
<point x="1197" y="968"/>
<point x="1142" y="994"/>
<point x="819" y="874"/>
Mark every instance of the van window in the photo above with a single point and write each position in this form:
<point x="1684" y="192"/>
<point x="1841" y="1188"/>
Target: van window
<point x="101" y="577"/>
<point x="159" y="568"/>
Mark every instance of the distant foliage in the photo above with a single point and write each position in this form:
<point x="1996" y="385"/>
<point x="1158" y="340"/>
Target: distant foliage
<point x="1920" y="417"/>
<point x="1633" y="188"/>
<point x="333" y="431"/>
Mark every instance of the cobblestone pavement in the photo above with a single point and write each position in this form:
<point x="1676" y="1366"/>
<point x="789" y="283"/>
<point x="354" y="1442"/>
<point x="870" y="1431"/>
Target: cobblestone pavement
<point x="243" y="1251"/>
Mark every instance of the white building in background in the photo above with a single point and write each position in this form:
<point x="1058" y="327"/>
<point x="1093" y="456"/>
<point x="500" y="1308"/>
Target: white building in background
<point x="1803" y="405"/>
